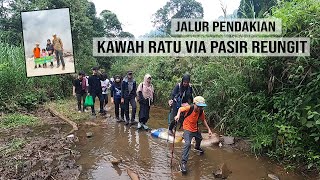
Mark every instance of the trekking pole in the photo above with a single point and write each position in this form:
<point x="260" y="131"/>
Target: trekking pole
<point x="174" y="137"/>
<point x="169" y="116"/>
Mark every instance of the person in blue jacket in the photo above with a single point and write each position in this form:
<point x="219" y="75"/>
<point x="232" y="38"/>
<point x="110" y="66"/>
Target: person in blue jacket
<point x="116" y="98"/>
<point x="182" y="95"/>
<point x="128" y="95"/>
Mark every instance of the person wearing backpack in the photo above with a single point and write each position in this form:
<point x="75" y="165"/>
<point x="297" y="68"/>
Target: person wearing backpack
<point x="145" y="98"/>
<point x="194" y="112"/>
<point x="128" y="95"/>
<point x="182" y="95"/>
<point x="116" y="98"/>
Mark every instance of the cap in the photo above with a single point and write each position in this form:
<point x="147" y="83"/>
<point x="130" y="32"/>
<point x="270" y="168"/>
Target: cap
<point x="95" y="68"/>
<point x="199" y="101"/>
<point x="130" y="72"/>
<point x="54" y="34"/>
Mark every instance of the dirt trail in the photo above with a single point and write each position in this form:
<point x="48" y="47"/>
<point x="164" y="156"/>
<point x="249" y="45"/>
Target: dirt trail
<point x="45" y="153"/>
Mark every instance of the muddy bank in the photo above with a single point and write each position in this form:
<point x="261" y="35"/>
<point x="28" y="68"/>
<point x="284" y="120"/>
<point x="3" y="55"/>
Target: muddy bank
<point x="40" y="152"/>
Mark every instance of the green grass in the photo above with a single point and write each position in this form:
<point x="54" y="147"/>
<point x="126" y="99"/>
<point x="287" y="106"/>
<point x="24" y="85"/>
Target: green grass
<point x="68" y="108"/>
<point x="17" y="120"/>
<point x="13" y="146"/>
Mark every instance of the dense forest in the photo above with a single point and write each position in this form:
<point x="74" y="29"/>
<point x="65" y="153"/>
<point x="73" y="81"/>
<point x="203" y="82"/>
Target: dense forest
<point x="273" y="101"/>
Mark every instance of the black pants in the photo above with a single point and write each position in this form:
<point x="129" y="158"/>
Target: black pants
<point x="99" y="95"/>
<point x="132" y="101"/>
<point x="105" y="99"/>
<point x="144" y="112"/>
<point x="79" y="98"/>
<point x="117" y="105"/>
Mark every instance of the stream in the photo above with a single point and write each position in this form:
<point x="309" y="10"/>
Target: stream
<point x="150" y="157"/>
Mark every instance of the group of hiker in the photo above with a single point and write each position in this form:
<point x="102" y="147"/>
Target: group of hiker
<point x="185" y="111"/>
<point x="46" y="55"/>
<point x="123" y="91"/>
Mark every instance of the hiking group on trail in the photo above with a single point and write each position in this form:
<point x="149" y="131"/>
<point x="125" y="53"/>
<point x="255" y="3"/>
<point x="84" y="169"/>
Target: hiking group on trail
<point x="185" y="110"/>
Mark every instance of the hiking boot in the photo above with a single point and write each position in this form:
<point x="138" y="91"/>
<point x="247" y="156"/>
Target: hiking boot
<point x="199" y="149"/>
<point x="184" y="168"/>
<point x="139" y="125"/>
<point x="145" y="127"/>
<point x="79" y="111"/>
<point x="126" y="123"/>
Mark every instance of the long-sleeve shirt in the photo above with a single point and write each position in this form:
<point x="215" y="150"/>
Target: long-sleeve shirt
<point x="116" y="91"/>
<point x="94" y="84"/>
<point x="186" y="95"/>
<point x="126" y="91"/>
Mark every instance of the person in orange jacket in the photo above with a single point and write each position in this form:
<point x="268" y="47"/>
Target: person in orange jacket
<point x="36" y="53"/>
<point x="193" y="113"/>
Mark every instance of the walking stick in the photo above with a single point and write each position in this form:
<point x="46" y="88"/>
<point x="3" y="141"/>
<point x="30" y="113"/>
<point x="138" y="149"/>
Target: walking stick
<point x="174" y="137"/>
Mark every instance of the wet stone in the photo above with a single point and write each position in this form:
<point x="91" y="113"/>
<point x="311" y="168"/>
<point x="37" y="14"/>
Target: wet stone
<point x="273" y="177"/>
<point x="89" y="134"/>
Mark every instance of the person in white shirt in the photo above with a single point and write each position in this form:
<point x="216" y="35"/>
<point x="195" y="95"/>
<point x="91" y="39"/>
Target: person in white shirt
<point x="105" y="85"/>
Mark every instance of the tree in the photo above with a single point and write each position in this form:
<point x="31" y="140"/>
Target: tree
<point x="112" y="25"/>
<point x="176" y="9"/>
<point x="255" y="8"/>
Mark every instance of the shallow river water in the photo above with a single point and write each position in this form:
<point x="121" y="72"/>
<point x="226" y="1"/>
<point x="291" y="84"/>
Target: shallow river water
<point x="150" y="157"/>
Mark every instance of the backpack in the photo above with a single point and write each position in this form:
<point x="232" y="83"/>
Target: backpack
<point x="188" y="114"/>
<point x="138" y="91"/>
<point x="179" y="98"/>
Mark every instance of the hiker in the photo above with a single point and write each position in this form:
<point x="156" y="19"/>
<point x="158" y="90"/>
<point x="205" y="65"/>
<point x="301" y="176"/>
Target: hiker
<point x="36" y="53"/>
<point x="105" y="85"/>
<point x="145" y="93"/>
<point x="116" y="98"/>
<point x="95" y="89"/>
<point x="128" y="95"/>
<point x="182" y="95"/>
<point x="58" y="49"/>
<point x="80" y="90"/>
<point x="50" y="50"/>
<point x="190" y="127"/>
<point x="44" y="54"/>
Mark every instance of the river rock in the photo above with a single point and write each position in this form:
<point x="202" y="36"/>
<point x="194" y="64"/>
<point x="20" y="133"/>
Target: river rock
<point x="116" y="162"/>
<point x="222" y="171"/>
<point x="273" y="177"/>
<point x="206" y="140"/>
<point x="89" y="134"/>
<point x="228" y="140"/>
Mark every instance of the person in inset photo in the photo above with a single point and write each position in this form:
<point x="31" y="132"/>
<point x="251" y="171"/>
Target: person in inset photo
<point x="36" y="54"/>
<point x="44" y="54"/>
<point x="50" y="50"/>
<point x="58" y="49"/>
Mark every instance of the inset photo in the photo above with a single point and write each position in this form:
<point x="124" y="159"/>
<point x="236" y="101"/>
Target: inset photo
<point x="47" y="42"/>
